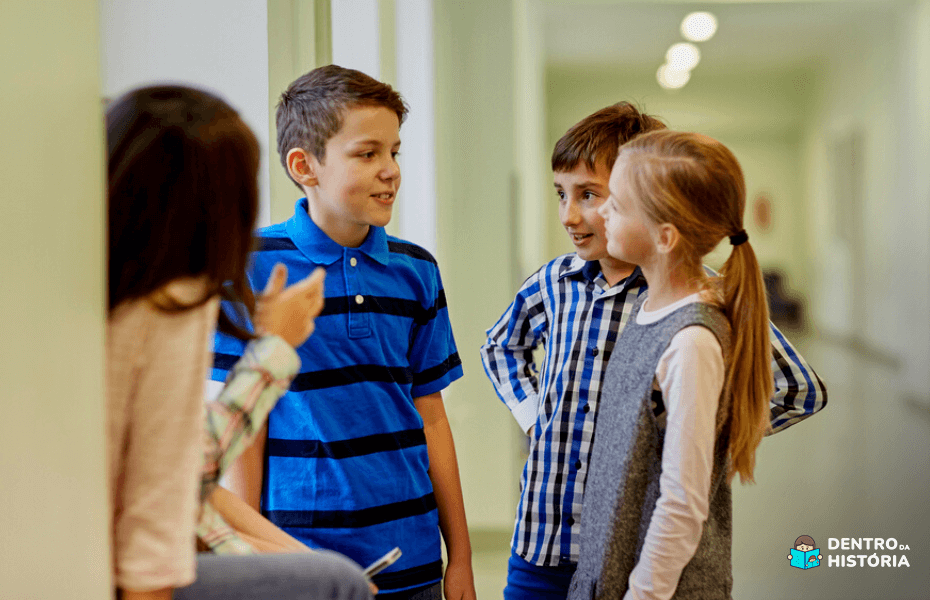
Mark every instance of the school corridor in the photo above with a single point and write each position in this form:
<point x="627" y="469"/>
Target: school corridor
<point x="826" y="103"/>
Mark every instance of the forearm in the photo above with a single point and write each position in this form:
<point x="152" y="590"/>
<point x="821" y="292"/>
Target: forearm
<point x="690" y="375"/>
<point x="235" y="419"/>
<point x="263" y="535"/>
<point x="162" y="594"/>
<point x="518" y="391"/>
<point x="507" y="355"/>
<point x="799" y="392"/>
<point x="444" y="474"/>
<point x="244" y="477"/>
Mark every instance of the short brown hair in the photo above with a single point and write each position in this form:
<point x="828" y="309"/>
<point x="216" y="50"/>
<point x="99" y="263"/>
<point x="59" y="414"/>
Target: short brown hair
<point x="182" y="195"/>
<point x="312" y="108"/>
<point x="597" y="138"/>
<point x="806" y="540"/>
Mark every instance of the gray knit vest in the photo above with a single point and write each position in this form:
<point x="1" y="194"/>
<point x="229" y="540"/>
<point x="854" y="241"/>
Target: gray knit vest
<point x="626" y="461"/>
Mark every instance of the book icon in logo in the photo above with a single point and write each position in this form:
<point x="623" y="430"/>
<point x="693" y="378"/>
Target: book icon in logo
<point x="805" y="554"/>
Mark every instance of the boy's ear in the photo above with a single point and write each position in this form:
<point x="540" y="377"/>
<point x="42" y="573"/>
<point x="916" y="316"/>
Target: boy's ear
<point x="302" y="167"/>
<point x="667" y="238"/>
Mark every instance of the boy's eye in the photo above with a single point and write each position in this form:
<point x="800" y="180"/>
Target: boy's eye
<point x="560" y="194"/>
<point x="367" y="154"/>
<point x="588" y="195"/>
<point x="395" y="153"/>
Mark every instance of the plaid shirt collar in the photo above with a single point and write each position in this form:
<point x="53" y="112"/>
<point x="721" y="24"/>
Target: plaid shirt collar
<point x="590" y="270"/>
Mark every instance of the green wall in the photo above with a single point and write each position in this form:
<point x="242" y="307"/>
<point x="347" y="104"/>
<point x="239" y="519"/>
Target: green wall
<point x="53" y="504"/>
<point x="474" y="158"/>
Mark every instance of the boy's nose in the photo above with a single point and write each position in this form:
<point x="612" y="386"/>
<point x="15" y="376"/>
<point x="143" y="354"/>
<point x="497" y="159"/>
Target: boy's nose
<point x="390" y="171"/>
<point x="568" y="214"/>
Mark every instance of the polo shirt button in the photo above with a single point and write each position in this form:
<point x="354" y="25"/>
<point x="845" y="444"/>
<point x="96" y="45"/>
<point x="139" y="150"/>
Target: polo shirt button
<point x="593" y="351"/>
<point x="359" y="299"/>
<point x="586" y="408"/>
<point x="570" y="521"/>
<point x="577" y="464"/>
<point x="353" y="261"/>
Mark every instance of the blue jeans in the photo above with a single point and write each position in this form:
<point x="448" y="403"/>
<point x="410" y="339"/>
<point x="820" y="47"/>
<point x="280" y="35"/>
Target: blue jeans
<point x="319" y="575"/>
<point x="430" y="592"/>
<point x="526" y="581"/>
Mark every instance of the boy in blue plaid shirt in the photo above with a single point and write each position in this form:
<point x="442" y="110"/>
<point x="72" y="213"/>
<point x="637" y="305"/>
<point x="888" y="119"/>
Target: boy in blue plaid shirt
<point x="576" y="306"/>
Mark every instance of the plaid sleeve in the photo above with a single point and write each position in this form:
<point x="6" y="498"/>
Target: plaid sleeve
<point x="217" y="535"/>
<point x="232" y="421"/>
<point x="799" y="392"/>
<point x="508" y="354"/>
<point x="434" y="358"/>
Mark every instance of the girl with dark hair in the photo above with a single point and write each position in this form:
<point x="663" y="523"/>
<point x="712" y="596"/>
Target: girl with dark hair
<point x="182" y="203"/>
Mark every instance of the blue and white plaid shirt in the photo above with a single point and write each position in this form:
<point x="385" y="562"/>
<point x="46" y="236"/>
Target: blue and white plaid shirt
<point x="568" y="307"/>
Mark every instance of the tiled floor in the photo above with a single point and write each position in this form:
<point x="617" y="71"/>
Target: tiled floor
<point x="859" y="469"/>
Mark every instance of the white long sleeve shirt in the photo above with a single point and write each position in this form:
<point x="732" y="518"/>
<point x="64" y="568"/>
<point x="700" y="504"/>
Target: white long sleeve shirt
<point x="690" y="375"/>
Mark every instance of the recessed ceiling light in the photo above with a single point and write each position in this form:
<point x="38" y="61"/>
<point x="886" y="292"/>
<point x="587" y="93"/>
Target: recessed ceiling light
<point x="683" y="56"/>
<point x="671" y="79"/>
<point x="699" y="26"/>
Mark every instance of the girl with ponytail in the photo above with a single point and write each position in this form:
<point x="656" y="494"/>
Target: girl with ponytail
<point x="685" y="398"/>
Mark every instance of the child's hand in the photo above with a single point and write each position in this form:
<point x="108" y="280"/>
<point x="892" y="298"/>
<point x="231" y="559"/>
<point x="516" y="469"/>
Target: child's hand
<point x="289" y="312"/>
<point x="459" y="581"/>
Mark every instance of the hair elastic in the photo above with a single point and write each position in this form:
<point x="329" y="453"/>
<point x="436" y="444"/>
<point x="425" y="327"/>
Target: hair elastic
<point x="739" y="238"/>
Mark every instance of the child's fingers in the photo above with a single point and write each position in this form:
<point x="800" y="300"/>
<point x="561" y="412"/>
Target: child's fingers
<point x="312" y="284"/>
<point x="316" y="278"/>
<point x="276" y="280"/>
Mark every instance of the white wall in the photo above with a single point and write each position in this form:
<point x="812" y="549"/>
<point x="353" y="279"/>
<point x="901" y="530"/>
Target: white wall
<point x="356" y="35"/>
<point x="891" y="111"/>
<point x="221" y="45"/>
<point x="474" y="166"/>
<point x="846" y="106"/>
<point x="911" y="224"/>
<point x="416" y="81"/>
<point x="531" y="154"/>
<point x="53" y="503"/>
<point x="392" y="40"/>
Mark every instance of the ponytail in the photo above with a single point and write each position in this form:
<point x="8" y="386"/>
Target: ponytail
<point x="749" y="373"/>
<point x="696" y="184"/>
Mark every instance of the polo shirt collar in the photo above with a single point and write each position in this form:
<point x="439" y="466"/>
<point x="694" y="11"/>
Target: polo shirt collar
<point x="321" y="249"/>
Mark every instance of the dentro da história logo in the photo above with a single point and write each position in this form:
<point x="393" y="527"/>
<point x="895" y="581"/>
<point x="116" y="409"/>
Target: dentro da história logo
<point x="805" y="554"/>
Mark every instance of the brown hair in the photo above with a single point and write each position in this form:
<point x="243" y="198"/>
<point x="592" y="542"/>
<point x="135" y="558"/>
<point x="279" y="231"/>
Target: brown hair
<point x="597" y="138"/>
<point x="696" y="184"/>
<point x="806" y="540"/>
<point x="182" y="196"/>
<point x="312" y="108"/>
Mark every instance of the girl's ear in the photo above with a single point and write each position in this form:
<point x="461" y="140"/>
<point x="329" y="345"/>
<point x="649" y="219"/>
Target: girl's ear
<point x="667" y="238"/>
<point x="302" y="167"/>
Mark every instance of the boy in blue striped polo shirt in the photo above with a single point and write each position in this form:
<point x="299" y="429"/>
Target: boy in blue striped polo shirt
<point x="358" y="455"/>
<point x="576" y="305"/>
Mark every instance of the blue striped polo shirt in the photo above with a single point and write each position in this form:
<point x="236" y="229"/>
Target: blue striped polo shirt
<point x="346" y="459"/>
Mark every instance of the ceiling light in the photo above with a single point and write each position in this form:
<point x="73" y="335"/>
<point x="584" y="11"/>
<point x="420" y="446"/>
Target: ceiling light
<point x="683" y="56"/>
<point x="672" y="79"/>
<point x="699" y="26"/>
